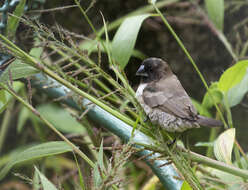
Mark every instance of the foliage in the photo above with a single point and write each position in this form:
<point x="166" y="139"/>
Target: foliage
<point x="93" y="69"/>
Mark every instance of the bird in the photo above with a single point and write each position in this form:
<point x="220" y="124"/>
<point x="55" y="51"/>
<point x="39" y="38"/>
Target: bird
<point x="164" y="99"/>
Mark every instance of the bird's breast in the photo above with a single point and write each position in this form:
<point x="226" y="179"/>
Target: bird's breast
<point x="139" y="96"/>
<point x="140" y="90"/>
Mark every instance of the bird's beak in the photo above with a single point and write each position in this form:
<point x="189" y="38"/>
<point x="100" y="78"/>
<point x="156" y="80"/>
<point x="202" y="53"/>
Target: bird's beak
<point x="141" y="71"/>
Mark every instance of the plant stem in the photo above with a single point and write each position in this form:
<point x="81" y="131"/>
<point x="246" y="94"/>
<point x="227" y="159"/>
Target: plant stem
<point x="33" y="62"/>
<point x="203" y="160"/>
<point x="213" y="134"/>
<point x="216" y="164"/>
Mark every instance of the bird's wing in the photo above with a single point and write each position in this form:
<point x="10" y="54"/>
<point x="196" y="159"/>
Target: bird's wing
<point x="169" y="96"/>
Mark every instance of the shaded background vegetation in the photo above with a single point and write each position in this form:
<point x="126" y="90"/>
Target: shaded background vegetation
<point x="154" y="40"/>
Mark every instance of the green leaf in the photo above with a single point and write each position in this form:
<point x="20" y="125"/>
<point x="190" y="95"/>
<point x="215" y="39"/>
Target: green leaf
<point x="233" y="82"/>
<point x="46" y="184"/>
<point x="17" y="70"/>
<point x="6" y="97"/>
<point x="125" y="38"/>
<point x="223" y="146"/>
<point x="215" y="9"/>
<point x="36" y="51"/>
<point x="200" y="109"/>
<point x="236" y="93"/>
<point x="186" y="186"/>
<point x="24" y="114"/>
<point x="36" y="181"/>
<point x="216" y="96"/>
<point x="13" y="21"/>
<point x="3" y="96"/>
<point x="100" y="157"/>
<point x="34" y="152"/>
<point x="60" y="118"/>
<point x="81" y="179"/>
<point x="99" y="167"/>
<point x="233" y="76"/>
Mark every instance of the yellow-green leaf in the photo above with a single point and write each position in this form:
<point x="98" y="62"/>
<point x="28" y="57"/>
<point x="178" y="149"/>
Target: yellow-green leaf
<point x="233" y="76"/>
<point x="233" y="82"/>
<point x="223" y="146"/>
<point x="215" y="97"/>
<point x="185" y="186"/>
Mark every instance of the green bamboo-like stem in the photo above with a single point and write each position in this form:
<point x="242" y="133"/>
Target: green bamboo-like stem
<point x="216" y="164"/>
<point x="121" y="129"/>
<point x="166" y="173"/>
<point x="203" y="160"/>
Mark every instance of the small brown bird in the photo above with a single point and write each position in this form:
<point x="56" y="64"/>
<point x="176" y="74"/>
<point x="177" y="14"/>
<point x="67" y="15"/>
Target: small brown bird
<point x="164" y="99"/>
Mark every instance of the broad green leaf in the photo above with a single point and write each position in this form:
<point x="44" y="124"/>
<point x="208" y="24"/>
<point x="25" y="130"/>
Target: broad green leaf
<point x="223" y="146"/>
<point x="236" y="93"/>
<point x="125" y="38"/>
<point x="17" y="70"/>
<point x="13" y="21"/>
<point x="34" y="152"/>
<point x="60" y="118"/>
<point x="4" y="159"/>
<point x="186" y="186"/>
<point x="233" y="76"/>
<point x="216" y="96"/>
<point x="215" y="9"/>
<point x="233" y="82"/>
<point x="46" y="184"/>
<point x="6" y="97"/>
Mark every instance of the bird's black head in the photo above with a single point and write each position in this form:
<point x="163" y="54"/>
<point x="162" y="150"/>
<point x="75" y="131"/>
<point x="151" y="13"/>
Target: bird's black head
<point x="153" y="69"/>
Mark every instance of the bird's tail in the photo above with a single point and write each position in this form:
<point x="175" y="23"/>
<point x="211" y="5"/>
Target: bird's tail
<point x="208" y="122"/>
